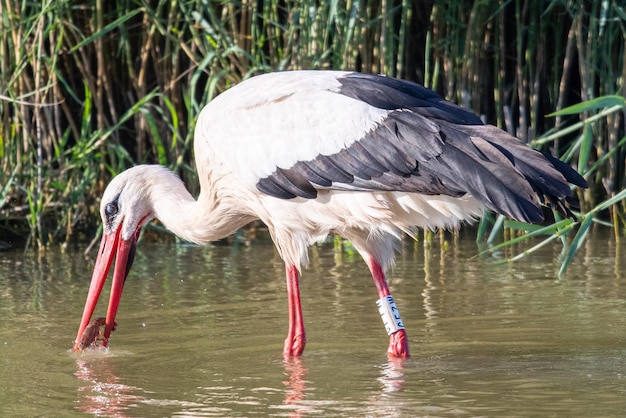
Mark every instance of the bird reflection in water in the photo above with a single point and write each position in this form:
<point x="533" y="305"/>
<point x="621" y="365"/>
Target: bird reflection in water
<point x="391" y="375"/>
<point x="103" y="394"/>
<point x="391" y="380"/>
<point x="295" y="384"/>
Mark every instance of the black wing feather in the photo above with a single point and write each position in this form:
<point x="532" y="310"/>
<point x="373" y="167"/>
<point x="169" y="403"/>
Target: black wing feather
<point x="391" y="94"/>
<point x="430" y="146"/>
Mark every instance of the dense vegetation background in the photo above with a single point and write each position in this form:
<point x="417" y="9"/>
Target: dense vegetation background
<point x="90" y="87"/>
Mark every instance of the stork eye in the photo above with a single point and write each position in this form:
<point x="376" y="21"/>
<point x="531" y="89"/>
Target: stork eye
<point x="111" y="210"/>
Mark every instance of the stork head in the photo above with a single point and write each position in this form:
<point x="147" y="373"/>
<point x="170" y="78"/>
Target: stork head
<point x="126" y="202"/>
<point x="125" y="207"/>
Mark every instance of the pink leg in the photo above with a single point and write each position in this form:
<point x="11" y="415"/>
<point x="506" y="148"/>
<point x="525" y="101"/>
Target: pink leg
<point x="296" y="337"/>
<point x="398" y="341"/>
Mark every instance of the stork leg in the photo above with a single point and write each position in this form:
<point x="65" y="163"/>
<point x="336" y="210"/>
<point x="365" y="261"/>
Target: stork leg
<point x="296" y="337"/>
<point x="398" y="341"/>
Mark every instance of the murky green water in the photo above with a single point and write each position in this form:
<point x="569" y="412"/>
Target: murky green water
<point x="201" y="332"/>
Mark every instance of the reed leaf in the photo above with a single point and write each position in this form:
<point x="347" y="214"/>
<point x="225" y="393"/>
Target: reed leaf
<point x="576" y="243"/>
<point x="107" y="29"/>
<point x="553" y="231"/>
<point x="593" y="104"/>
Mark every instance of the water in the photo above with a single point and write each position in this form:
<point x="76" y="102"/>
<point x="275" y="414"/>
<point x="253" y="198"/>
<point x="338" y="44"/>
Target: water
<point x="201" y="331"/>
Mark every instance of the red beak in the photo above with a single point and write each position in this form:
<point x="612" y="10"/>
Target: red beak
<point x="112" y="245"/>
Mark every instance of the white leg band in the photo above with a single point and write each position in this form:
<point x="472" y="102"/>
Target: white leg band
<point x="389" y="314"/>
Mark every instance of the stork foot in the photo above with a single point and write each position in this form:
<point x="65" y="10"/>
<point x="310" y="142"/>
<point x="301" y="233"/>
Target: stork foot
<point x="294" y="345"/>
<point x="398" y="345"/>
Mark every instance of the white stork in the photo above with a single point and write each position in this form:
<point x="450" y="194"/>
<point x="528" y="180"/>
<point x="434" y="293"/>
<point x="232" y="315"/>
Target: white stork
<point x="312" y="153"/>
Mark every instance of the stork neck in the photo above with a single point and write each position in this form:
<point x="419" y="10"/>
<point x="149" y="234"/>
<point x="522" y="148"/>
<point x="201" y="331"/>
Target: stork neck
<point x="200" y="221"/>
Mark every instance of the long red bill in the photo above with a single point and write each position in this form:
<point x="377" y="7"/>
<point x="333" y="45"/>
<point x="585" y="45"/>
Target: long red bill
<point x="112" y="245"/>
